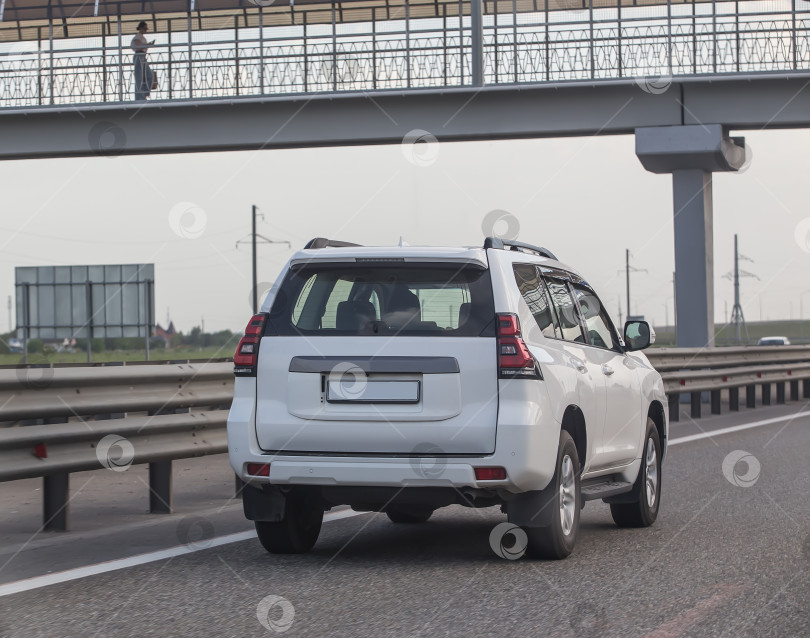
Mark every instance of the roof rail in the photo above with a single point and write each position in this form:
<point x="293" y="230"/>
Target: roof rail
<point x="322" y="242"/>
<point x="508" y="244"/>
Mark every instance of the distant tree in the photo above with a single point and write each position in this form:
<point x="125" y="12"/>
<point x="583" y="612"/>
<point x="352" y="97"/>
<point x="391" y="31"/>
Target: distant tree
<point x="35" y="345"/>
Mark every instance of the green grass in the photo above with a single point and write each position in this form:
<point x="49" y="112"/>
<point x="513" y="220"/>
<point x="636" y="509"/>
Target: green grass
<point x="183" y="352"/>
<point x="797" y="331"/>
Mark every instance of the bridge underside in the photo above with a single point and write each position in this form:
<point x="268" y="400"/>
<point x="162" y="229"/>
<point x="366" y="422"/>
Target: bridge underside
<point x="386" y="117"/>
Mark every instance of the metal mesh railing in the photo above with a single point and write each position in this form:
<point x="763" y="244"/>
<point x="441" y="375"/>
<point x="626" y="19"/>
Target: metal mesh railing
<point x="605" y="43"/>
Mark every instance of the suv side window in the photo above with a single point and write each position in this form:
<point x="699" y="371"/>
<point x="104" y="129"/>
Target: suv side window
<point x="566" y="309"/>
<point x="533" y="291"/>
<point x="597" y="322"/>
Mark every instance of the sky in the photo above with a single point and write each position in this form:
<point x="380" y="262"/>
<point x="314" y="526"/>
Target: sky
<point x="585" y="199"/>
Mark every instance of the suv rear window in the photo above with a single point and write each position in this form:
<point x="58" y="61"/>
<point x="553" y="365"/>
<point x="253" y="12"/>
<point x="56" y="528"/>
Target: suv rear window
<point x="413" y="299"/>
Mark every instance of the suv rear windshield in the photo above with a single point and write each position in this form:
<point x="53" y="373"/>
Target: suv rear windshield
<point x="381" y="299"/>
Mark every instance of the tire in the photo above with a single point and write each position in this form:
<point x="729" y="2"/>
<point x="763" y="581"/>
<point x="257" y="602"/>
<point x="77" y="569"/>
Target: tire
<point x="409" y="515"/>
<point x="642" y="510"/>
<point x="297" y="532"/>
<point x="557" y="540"/>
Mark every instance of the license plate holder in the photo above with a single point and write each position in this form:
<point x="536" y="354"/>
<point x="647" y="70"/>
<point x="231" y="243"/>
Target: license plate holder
<point x="373" y="391"/>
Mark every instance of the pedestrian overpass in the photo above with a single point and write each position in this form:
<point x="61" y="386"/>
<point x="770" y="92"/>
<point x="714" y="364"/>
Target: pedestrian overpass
<point x="261" y="74"/>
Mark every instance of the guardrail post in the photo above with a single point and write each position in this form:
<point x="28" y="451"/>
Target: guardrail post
<point x="55" y="488"/>
<point x="696" y="399"/>
<point x="160" y="487"/>
<point x="794" y="390"/>
<point x="734" y="399"/>
<point x="674" y="407"/>
<point x="780" y="392"/>
<point x="716" y="402"/>
<point x="806" y="384"/>
<point x="750" y="396"/>
<point x="766" y="394"/>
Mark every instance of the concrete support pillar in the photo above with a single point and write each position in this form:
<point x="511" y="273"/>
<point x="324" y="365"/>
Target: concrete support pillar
<point x="694" y="258"/>
<point x="691" y="154"/>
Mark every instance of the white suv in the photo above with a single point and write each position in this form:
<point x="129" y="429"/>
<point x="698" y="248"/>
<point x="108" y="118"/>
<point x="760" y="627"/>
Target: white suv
<point x="404" y="379"/>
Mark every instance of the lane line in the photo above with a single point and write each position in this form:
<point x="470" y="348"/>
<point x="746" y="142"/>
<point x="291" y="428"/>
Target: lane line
<point x="36" y="582"/>
<point x="736" y="428"/>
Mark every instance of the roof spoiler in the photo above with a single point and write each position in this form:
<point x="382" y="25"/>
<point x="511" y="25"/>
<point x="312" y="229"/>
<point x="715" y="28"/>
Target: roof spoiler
<point x="507" y="244"/>
<point x="322" y="242"/>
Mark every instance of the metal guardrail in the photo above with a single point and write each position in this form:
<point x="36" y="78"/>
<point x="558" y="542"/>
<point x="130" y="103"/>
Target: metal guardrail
<point x="665" y="359"/>
<point x="69" y="412"/>
<point x="695" y="371"/>
<point x="42" y="393"/>
<point x="38" y="450"/>
<point x="80" y="419"/>
<point x="293" y="53"/>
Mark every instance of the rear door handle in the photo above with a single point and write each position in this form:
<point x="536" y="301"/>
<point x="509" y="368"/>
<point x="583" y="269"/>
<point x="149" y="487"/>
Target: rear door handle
<point x="607" y="370"/>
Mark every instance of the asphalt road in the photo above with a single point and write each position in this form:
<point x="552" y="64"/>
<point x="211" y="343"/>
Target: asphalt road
<point x="728" y="556"/>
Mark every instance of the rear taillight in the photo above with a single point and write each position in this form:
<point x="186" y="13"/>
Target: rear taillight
<point x="246" y="356"/>
<point x="514" y="359"/>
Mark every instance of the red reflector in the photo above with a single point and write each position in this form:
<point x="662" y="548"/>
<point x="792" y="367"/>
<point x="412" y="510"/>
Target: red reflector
<point x="258" y="469"/>
<point x="508" y="325"/>
<point x="725" y="379"/>
<point x="40" y="451"/>
<point x="683" y="381"/>
<point x="490" y="474"/>
<point x="759" y="375"/>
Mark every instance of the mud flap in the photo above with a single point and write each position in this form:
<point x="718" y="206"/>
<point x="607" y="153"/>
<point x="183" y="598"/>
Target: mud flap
<point x="533" y="509"/>
<point x="263" y="504"/>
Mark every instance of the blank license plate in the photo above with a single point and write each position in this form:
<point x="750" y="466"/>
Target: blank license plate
<point x="353" y="390"/>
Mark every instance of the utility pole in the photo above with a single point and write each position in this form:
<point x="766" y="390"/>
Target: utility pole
<point x="620" y="315"/>
<point x="254" y="237"/>
<point x="737" y="317"/>
<point x="255" y="279"/>
<point x="627" y="270"/>
<point x="9" y="313"/>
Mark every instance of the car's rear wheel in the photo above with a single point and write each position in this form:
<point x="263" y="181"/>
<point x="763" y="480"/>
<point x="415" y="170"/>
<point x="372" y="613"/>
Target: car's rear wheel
<point x="563" y="497"/>
<point x="297" y="532"/>
<point x="409" y="515"/>
<point x="642" y="510"/>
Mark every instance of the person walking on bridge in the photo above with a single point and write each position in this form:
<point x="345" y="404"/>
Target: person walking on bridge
<point x="142" y="72"/>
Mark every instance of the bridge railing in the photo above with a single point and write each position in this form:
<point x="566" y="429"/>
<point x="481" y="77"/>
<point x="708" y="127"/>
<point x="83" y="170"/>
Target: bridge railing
<point x="68" y="419"/>
<point x="650" y="44"/>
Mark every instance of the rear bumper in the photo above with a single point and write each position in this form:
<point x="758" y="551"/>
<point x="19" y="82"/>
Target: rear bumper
<point x="526" y="447"/>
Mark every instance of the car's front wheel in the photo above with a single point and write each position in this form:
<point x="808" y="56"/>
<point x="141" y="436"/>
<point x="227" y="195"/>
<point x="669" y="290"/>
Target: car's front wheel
<point x="645" y="497"/>
<point x="297" y="532"/>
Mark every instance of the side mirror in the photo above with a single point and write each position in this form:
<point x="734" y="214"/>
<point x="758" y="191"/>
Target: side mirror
<point x="638" y="335"/>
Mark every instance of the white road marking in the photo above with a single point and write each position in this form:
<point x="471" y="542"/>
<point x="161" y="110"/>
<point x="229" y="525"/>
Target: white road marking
<point x="737" y="428"/>
<point x="122" y="563"/>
